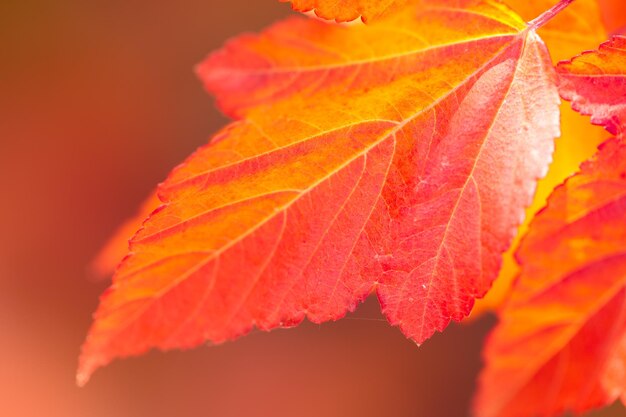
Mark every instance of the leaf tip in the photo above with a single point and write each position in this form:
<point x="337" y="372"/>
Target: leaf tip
<point x="84" y="372"/>
<point x="88" y="363"/>
<point x="81" y="379"/>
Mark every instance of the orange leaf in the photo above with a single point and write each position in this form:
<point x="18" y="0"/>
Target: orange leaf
<point x="595" y="83"/>
<point x="403" y="169"/>
<point x="561" y="341"/>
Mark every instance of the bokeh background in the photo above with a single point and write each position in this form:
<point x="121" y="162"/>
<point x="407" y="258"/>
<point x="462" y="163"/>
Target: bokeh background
<point x="98" y="101"/>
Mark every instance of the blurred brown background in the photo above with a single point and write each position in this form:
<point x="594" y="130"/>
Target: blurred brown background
<point x="98" y="101"/>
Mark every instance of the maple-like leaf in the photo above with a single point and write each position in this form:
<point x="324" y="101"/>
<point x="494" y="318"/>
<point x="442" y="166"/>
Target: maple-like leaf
<point x="560" y="341"/>
<point x="577" y="28"/>
<point x="595" y="83"/>
<point x="397" y="157"/>
<point x="348" y="10"/>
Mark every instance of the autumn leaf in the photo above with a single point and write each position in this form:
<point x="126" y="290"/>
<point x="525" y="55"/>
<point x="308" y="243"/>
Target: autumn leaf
<point x="595" y="83"/>
<point x="576" y="29"/>
<point x="396" y="158"/>
<point x="347" y="10"/>
<point x="560" y="344"/>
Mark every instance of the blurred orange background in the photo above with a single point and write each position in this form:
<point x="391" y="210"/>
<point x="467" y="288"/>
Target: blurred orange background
<point x="98" y="102"/>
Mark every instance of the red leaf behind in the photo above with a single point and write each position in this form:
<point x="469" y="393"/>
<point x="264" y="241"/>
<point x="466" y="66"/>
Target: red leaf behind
<point x="560" y="344"/>
<point x="595" y="83"/>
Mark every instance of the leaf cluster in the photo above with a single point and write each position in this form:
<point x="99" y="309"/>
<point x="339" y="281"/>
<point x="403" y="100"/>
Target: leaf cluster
<point x="401" y="157"/>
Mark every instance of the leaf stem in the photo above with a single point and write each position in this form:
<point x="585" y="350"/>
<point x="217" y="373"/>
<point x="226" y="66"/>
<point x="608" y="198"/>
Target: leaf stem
<point x="549" y="14"/>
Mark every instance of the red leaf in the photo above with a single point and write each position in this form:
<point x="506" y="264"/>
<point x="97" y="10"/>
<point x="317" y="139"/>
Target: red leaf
<point x="561" y="341"/>
<point x="404" y="170"/>
<point x="595" y="83"/>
